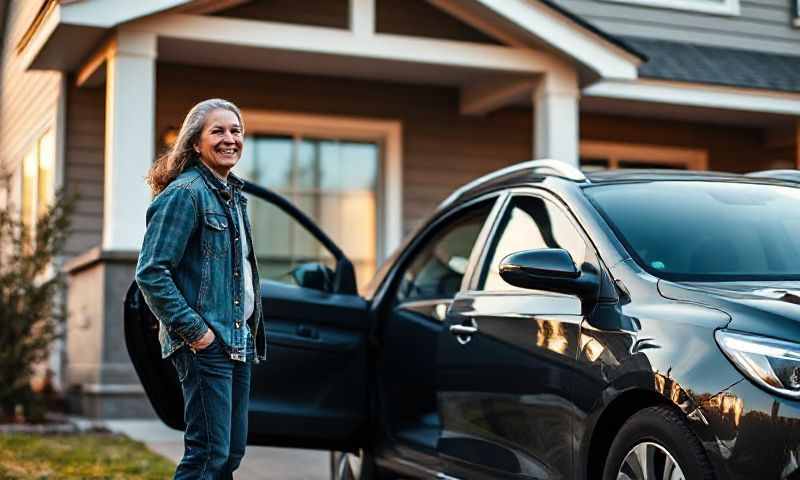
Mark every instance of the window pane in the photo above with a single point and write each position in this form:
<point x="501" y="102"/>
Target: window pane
<point x="29" y="187"/>
<point x="47" y="168"/>
<point x="531" y="223"/>
<point x="438" y="269"/>
<point x="280" y="244"/>
<point x="267" y="161"/>
<point x="333" y="182"/>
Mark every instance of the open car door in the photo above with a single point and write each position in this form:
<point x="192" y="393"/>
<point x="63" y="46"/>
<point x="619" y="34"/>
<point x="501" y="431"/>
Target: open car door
<point x="312" y="390"/>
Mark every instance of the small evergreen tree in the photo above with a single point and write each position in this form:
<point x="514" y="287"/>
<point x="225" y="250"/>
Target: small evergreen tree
<point x="30" y="284"/>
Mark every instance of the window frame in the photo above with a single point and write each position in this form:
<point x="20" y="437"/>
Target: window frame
<point x="388" y="134"/>
<point x="388" y="290"/>
<point x="482" y="263"/>
<point x="727" y="7"/>
<point x="616" y="152"/>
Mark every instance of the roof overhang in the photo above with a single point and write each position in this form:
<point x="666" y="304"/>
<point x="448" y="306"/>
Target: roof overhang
<point x="65" y="33"/>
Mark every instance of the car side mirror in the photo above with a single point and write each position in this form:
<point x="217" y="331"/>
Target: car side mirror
<point x="550" y="269"/>
<point x="313" y="275"/>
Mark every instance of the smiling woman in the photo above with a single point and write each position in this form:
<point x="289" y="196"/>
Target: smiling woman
<point x="198" y="274"/>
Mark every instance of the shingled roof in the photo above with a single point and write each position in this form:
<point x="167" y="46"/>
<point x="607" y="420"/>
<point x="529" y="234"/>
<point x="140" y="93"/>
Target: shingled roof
<point x="716" y="65"/>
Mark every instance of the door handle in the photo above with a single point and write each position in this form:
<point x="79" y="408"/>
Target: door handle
<point x="462" y="329"/>
<point x="465" y="331"/>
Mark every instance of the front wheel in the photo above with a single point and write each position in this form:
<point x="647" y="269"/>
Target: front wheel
<point x="656" y="444"/>
<point x="353" y="466"/>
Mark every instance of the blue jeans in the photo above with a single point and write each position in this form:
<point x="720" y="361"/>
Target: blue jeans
<point x="216" y="393"/>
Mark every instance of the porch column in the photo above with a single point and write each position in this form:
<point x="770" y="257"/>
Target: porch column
<point x="129" y="138"/>
<point x="555" y="123"/>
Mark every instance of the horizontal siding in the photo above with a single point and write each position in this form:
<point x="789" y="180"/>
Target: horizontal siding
<point x="84" y="165"/>
<point x="764" y="25"/>
<point x="732" y="149"/>
<point x="441" y="148"/>
<point x="29" y="98"/>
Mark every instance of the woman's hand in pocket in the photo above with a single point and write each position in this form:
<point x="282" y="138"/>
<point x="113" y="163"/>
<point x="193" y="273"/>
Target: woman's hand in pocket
<point x="206" y="340"/>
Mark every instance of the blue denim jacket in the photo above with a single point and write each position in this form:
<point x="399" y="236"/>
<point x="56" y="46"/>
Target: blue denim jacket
<point x="190" y="264"/>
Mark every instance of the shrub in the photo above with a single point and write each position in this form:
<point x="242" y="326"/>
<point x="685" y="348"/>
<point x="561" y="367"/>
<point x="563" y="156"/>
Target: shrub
<point x="31" y="285"/>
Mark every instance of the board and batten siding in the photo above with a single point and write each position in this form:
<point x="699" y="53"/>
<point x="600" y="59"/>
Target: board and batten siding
<point x="30" y="99"/>
<point x="762" y="25"/>
<point x="441" y="148"/>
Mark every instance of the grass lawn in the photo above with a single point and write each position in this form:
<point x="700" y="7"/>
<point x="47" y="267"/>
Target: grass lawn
<point x="95" y="456"/>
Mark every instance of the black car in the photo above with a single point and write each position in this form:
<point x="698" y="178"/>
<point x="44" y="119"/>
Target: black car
<point x="542" y="324"/>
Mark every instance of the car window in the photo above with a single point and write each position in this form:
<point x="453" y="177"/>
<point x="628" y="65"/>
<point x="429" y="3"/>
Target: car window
<point x="436" y="271"/>
<point x="282" y="245"/>
<point x="528" y="223"/>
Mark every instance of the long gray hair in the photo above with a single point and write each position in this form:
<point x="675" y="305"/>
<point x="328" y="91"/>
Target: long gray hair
<point x="182" y="154"/>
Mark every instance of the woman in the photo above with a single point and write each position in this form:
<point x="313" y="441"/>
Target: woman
<point x="198" y="275"/>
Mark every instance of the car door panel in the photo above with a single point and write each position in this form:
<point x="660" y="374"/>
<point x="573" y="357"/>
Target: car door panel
<point x="312" y="389"/>
<point x="506" y="384"/>
<point x="503" y="394"/>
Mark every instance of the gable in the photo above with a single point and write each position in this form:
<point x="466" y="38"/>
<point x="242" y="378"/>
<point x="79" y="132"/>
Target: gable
<point x="419" y="18"/>
<point x="318" y="13"/>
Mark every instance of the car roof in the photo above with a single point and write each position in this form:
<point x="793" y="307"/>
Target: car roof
<point x="537" y="172"/>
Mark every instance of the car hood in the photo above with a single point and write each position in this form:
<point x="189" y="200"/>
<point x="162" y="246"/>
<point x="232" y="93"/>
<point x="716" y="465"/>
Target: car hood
<point x="766" y="308"/>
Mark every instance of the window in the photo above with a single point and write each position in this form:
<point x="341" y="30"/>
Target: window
<point x="333" y="181"/>
<point x="719" y="7"/>
<point x="528" y="223"/>
<point x="437" y="270"/>
<point x="597" y="155"/>
<point x="344" y="173"/>
<point x="38" y="179"/>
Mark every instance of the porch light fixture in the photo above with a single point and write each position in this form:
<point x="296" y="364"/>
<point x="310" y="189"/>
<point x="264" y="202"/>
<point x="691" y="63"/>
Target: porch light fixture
<point x="169" y="136"/>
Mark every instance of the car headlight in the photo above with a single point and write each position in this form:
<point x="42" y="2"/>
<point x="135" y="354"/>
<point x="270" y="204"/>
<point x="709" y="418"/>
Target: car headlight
<point x="772" y="364"/>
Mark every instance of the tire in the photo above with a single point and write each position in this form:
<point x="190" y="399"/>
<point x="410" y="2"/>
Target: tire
<point x="354" y="466"/>
<point x="663" y="438"/>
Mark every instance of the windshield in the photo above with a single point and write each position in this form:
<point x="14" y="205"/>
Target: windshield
<point x="706" y="231"/>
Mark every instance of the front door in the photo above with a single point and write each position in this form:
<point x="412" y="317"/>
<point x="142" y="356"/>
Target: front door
<point x="311" y="392"/>
<point x="506" y="361"/>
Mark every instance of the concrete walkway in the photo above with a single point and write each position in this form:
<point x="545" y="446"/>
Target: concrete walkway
<point x="260" y="463"/>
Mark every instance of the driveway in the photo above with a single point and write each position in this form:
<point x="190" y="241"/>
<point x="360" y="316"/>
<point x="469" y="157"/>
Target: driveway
<point x="260" y="463"/>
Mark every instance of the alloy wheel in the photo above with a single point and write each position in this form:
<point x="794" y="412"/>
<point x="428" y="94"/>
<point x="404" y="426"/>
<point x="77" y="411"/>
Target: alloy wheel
<point x="348" y="466"/>
<point x="649" y="461"/>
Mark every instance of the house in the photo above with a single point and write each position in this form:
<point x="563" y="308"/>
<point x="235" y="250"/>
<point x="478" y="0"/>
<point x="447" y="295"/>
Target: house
<point x="367" y="113"/>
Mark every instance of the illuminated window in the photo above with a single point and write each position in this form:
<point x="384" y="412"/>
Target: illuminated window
<point x="38" y="179"/>
<point x="333" y="181"/>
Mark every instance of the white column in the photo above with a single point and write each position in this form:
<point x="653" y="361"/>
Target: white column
<point x="130" y="137"/>
<point x="555" y="123"/>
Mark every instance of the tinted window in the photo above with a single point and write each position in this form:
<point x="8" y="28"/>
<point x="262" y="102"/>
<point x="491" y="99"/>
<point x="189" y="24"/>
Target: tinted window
<point x="529" y="223"/>
<point x="437" y="270"/>
<point x="706" y="230"/>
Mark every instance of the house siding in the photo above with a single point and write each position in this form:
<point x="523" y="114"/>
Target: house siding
<point x="421" y="19"/>
<point x="762" y="25"/>
<point x="731" y="149"/>
<point x="320" y="13"/>
<point x="441" y="148"/>
<point x="30" y="98"/>
<point x="84" y="172"/>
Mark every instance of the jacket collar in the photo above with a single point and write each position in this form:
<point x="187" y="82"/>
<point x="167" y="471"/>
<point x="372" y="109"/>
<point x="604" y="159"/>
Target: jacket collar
<point x="214" y="182"/>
